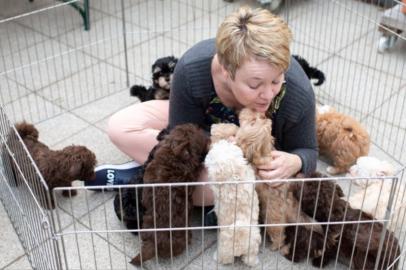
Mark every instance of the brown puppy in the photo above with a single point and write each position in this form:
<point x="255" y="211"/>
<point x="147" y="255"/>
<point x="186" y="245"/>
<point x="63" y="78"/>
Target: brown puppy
<point x="59" y="168"/>
<point x="341" y="139"/>
<point x="178" y="157"/>
<point x="359" y="241"/>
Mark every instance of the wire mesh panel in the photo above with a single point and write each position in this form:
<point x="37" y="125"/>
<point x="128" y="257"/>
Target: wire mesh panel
<point x="69" y="81"/>
<point x="341" y="37"/>
<point x="25" y="197"/>
<point x="351" y="233"/>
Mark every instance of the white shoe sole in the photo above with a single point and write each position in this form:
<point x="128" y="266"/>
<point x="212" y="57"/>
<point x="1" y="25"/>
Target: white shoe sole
<point x="124" y="166"/>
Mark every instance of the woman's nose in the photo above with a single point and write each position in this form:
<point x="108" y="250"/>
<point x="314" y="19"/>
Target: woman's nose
<point x="267" y="94"/>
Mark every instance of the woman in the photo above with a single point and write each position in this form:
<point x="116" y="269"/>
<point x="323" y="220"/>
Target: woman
<point x="247" y="65"/>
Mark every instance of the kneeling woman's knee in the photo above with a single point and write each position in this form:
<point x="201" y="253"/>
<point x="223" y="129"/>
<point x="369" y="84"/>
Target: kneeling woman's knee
<point x="115" y="129"/>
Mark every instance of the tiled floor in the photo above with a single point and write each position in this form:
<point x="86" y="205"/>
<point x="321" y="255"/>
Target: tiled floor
<point x="69" y="82"/>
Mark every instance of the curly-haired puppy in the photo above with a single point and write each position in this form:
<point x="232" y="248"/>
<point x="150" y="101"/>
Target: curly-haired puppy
<point x="235" y="204"/>
<point x="311" y="72"/>
<point x="277" y="204"/>
<point x="356" y="241"/>
<point x="178" y="158"/>
<point x="341" y="139"/>
<point x="59" y="168"/>
<point x="304" y="241"/>
<point x="128" y="207"/>
<point x="162" y="73"/>
<point x="374" y="195"/>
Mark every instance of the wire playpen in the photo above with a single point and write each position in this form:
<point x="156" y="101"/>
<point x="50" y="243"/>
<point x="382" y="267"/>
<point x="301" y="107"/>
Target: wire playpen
<point x="67" y="80"/>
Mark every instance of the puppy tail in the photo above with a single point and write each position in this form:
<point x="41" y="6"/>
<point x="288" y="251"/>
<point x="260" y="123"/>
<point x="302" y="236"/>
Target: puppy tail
<point x="26" y="130"/>
<point x="139" y="91"/>
<point x="319" y="75"/>
<point x="311" y="72"/>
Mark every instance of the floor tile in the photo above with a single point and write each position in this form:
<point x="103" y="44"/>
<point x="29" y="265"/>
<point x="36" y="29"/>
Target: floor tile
<point x="105" y="106"/>
<point x="10" y="246"/>
<point x="88" y="86"/>
<point x="11" y="8"/>
<point x="31" y="108"/>
<point x="160" y="16"/>
<point x="141" y="58"/>
<point x="204" y="27"/>
<point x="105" y="37"/>
<point x="15" y="37"/>
<point x="59" y="128"/>
<point x="365" y="52"/>
<point x="354" y="89"/>
<point x="206" y="5"/>
<point x="104" y="219"/>
<point x="388" y="126"/>
<point x="20" y="264"/>
<point x="113" y="7"/>
<point x="40" y="70"/>
<point x="87" y="250"/>
<point x="98" y="142"/>
<point x="58" y="20"/>
<point x="10" y="90"/>
<point x="332" y="26"/>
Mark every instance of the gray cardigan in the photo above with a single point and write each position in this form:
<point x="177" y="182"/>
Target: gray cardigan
<point x="293" y="123"/>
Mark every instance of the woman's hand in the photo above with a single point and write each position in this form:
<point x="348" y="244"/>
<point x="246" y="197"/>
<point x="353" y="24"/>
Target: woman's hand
<point x="282" y="166"/>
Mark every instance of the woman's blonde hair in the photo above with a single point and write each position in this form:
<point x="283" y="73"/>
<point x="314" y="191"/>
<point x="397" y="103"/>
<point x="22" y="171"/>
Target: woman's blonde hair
<point x="253" y="32"/>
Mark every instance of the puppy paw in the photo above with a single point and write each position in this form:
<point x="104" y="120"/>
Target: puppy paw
<point x="274" y="246"/>
<point x="332" y="170"/>
<point x="136" y="260"/>
<point x="250" y="260"/>
<point x="284" y="250"/>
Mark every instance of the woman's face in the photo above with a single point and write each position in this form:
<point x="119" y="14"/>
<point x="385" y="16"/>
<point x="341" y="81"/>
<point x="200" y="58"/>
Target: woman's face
<point x="256" y="83"/>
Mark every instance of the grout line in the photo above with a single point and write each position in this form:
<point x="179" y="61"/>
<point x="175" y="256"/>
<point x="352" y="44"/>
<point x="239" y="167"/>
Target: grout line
<point x="370" y="113"/>
<point x="15" y="260"/>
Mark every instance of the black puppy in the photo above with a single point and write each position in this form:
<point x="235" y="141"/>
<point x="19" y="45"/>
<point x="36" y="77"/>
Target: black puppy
<point x="162" y="71"/>
<point x="311" y="72"/>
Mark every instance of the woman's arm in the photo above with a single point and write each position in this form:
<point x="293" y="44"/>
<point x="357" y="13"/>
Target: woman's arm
<point x="298" y="142"/>
<point x="301" y="139"/>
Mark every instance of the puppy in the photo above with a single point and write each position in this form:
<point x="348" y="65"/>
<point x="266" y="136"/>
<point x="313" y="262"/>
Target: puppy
<point x="59" y="168"/>
<point x="311" y="72"/>
<point x="341" y="139"/>
<point x="277" y="204"/>
<point x="235" y="204"/>
<point x="356" y="241"/>
<point x="374" y="196"/>
<point x="178" y="158"/>
<point x="162" y="73"/>
<point x="128" y="207"/>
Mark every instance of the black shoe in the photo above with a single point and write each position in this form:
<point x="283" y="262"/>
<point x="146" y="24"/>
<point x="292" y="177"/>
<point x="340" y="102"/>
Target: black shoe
<point x="110" y="175"/>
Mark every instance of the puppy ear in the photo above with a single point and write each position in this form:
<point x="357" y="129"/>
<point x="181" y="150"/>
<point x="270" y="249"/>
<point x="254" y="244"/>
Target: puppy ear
<point x="171" y="64"/>
<point x="156" y="70"/>
<point x="75" y="169"/>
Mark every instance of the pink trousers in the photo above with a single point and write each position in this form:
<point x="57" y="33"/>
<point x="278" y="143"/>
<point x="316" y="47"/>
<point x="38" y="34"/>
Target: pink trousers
<point x="134" y="129"/>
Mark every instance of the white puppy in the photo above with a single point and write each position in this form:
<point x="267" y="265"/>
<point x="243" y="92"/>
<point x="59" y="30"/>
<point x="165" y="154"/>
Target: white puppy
<point x="375" y="193"/>
<point x="235" y="204"/>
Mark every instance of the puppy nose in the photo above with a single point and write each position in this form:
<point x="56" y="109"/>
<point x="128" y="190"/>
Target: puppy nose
<point x="167" y="79"/>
